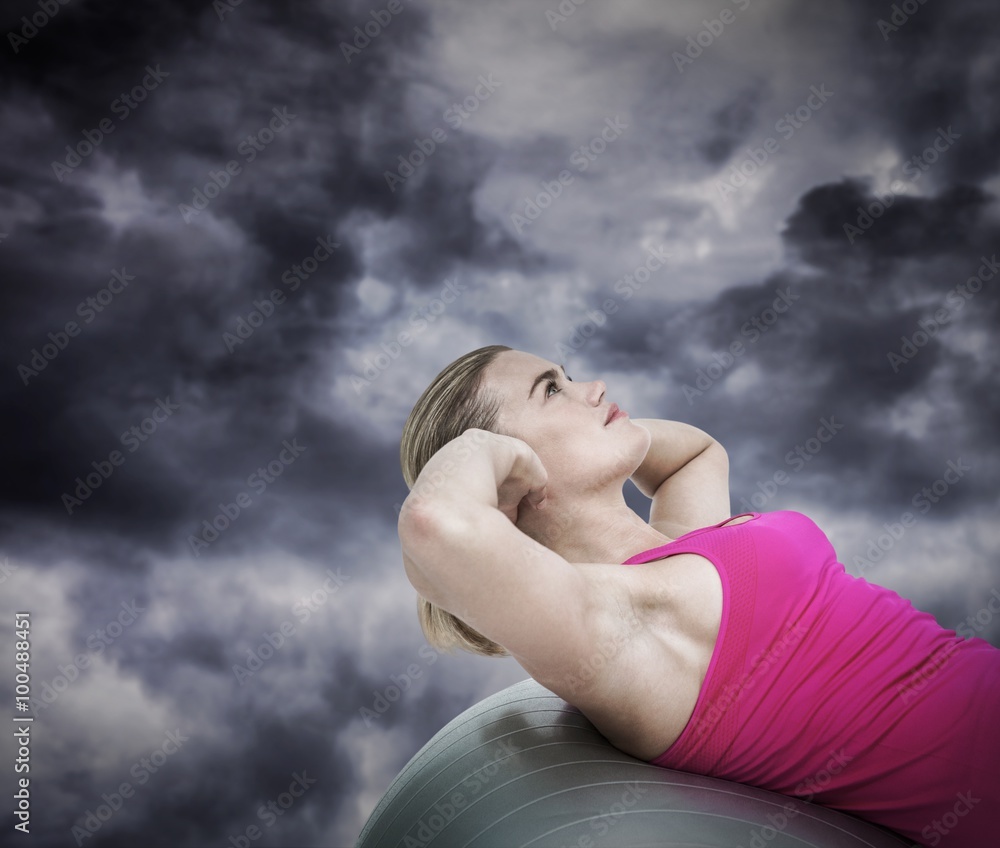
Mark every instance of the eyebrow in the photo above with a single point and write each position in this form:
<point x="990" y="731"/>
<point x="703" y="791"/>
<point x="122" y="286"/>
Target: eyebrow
<point x="545" y="375"/>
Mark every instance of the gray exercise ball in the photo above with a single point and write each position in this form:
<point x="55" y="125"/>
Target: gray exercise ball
<point x="525" y="768"/>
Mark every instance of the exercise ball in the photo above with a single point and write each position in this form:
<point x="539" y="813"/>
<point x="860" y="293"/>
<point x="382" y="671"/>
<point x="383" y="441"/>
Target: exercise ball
<point x="525" y="768"/>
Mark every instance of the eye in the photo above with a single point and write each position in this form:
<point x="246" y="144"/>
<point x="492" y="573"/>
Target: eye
<point x="553" y="385"/>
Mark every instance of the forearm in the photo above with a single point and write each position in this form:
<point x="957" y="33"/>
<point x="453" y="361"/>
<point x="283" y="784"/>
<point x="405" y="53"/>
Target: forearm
<point x="462" y="473"/>
<point x="673" y="445"/>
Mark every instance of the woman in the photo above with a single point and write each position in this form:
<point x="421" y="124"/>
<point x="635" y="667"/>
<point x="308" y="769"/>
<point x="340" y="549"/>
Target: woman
<point x="739" y="649"/>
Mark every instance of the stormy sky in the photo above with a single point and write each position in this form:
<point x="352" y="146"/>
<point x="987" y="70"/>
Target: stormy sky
<point x="216" y="221"/>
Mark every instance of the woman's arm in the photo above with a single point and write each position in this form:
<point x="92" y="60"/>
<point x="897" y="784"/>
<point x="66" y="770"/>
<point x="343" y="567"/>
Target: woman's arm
<point x="686" y="474"/>
<point x="479" y="468"/>
<point x="462" y="552"/>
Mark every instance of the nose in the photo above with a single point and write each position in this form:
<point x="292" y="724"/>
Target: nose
<point x="596" y="391"/>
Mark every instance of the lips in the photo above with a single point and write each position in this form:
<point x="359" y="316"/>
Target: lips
<point x="613" y="411"/>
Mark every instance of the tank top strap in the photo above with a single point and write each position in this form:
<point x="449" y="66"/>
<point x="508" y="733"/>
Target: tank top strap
<point x="664" y="550"/>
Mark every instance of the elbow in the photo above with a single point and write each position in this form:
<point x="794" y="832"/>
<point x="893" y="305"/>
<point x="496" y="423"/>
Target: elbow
<point x="425" y="524"/>
<point x="719" y="460"/>
<point x="719" y="451"/>
<point x="413" y="535"/>
<point x="426" y="534"/>
<point x="416" y="531"/>
<point x="414" y="521"/>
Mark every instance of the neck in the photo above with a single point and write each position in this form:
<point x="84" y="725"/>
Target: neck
<point x="598" y="527"/>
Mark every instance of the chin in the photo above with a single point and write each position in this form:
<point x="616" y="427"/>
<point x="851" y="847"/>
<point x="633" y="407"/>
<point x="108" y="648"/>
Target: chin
<point x="643" y="435"/>
<point x="642" y="441"/>
<point x="632" y="445"/>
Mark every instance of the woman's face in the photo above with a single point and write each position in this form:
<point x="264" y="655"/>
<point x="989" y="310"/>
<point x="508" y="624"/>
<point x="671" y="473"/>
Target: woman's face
<point x="565" y="422"/>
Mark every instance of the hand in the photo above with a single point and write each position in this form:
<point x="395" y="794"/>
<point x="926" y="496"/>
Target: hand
<point x="521" y="477"/>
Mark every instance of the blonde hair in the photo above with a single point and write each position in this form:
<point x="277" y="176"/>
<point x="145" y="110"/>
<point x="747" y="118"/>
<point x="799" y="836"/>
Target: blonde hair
<point x="449" y="406"/>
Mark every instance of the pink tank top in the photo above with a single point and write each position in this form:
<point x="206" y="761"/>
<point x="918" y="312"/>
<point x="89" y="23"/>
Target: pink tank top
<point x="829" y="688"/>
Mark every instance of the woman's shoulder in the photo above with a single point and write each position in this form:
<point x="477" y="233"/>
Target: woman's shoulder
<point x="640" y="683"/>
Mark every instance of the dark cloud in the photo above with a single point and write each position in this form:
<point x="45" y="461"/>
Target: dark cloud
<point x="835" y="222"/>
